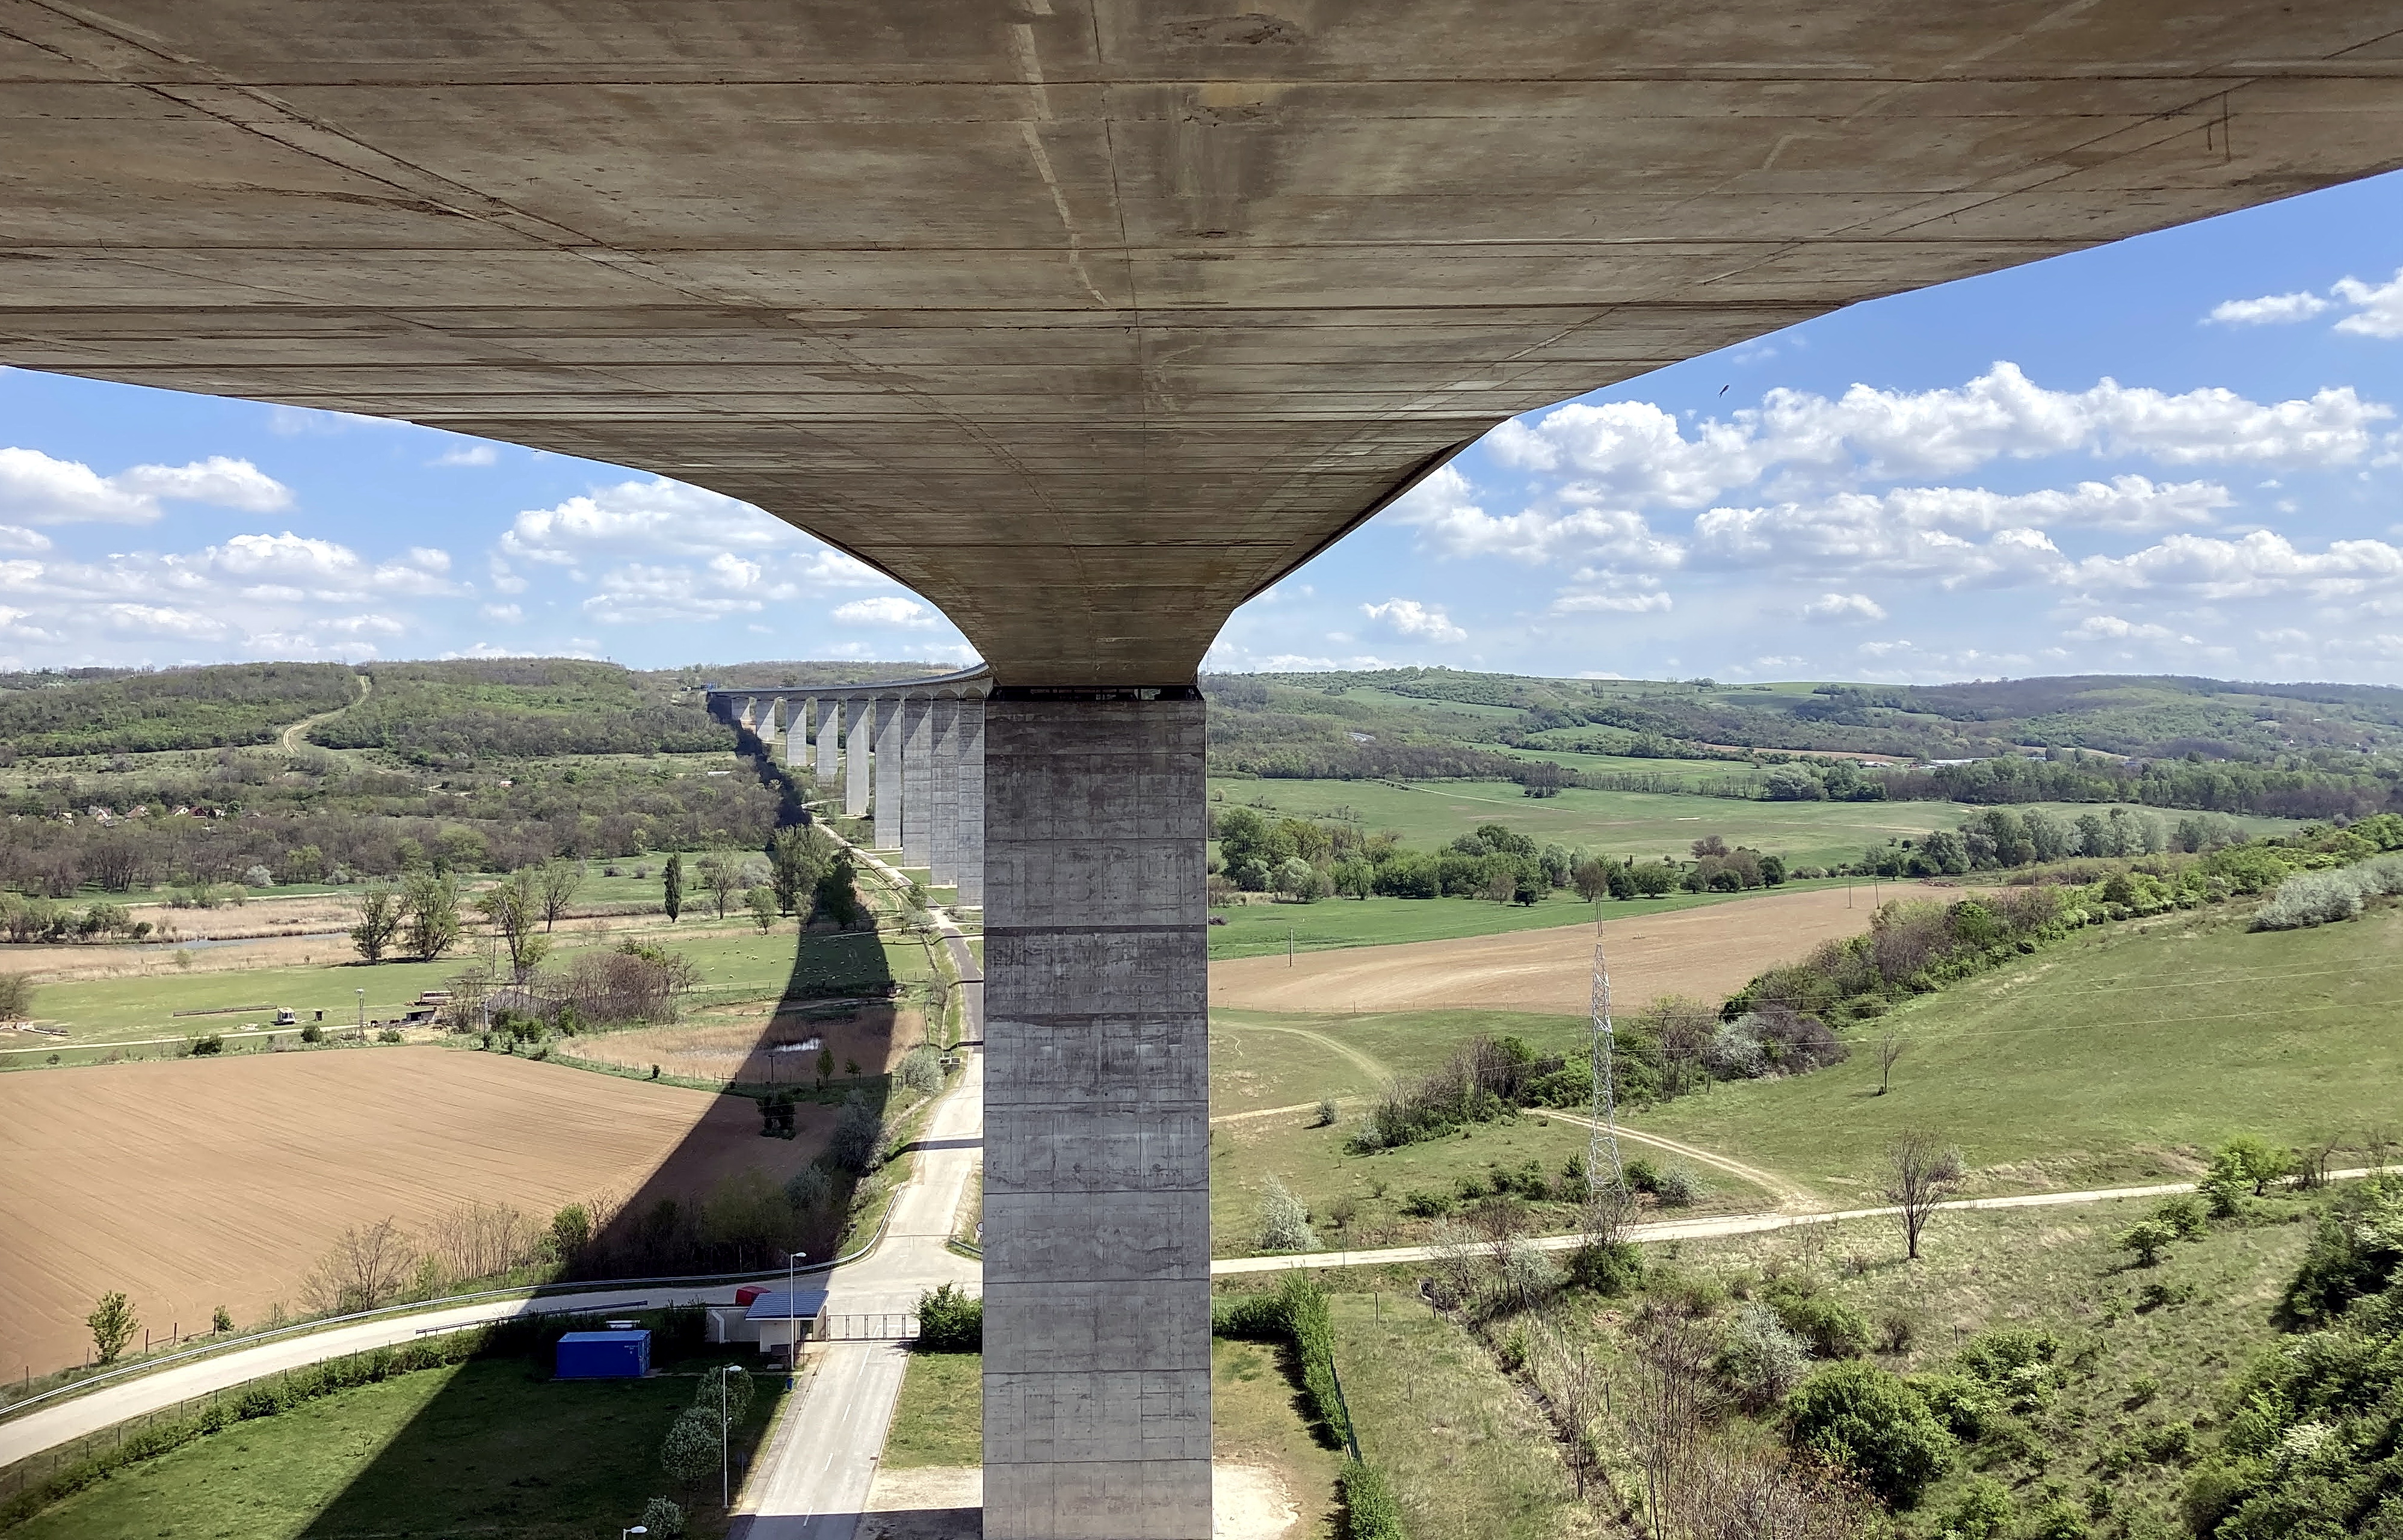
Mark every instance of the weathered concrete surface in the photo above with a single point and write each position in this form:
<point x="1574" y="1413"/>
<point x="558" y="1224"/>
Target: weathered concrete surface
<point x="889" y="790"/>
<point x="855" y="756"/>
<point x="1097" y="1182"/>
<point x="1087" y="319"/>
<point x="917" y="781"/>
<point x="971" y="877"/>
<point x="943" y="790"/>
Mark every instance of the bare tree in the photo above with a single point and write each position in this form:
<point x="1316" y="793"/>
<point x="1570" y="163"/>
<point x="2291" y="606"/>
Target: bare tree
<point x="479" y="1240"/>
<point x="722" y="875"/>
<point x="1459" y="1262"/>
<point x="1889" y="1049"/>
<point x="1660" y="1407"/>
<point x="379" y="913"/>
<point x="1921" y="1168"/>
<point x="556" y="883"/>
<point x="364" y="1270"/>
<point x="2377" y="1139"/>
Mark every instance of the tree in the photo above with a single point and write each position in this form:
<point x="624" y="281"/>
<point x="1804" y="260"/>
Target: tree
<point x="672" y="881"/>
<point x="1872" y="1423"/>
<point x="1592" y="878"/>
<point x="513" y="905"/>
<point x="721" y="877"/>
<point x="797" y="858"/>
<point x="2253" y="1160"/>
<point x="380" y="914"/>
<point x="662" y="1519"/>
<point x="835" y="897"/>
<point x="1295" y="879"/>
<point x="692" y="1446"/>
<point x="364" y="1270"/>
<point x="571" y="1231"/>
<point x="762" y="903"/>
<point x="113" y="1324"/>
<point x="16" y="996"/>
<point x="2148" y="1239"/>
<point x="1921" y="1169"/>
<point x="556" y="883"/>
<point x="1890" y="1047"/>
<point x="431" y="900"/>
<point x="951" y="1321"/>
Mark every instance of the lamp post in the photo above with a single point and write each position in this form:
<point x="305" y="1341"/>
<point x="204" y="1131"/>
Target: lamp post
<point x="792" y="1318"/>
<point x="363" y="1014"/>
<point x="623" y="1535"/>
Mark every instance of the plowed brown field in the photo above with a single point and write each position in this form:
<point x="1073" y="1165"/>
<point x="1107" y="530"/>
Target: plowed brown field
<point x="875" y="1038"/>
<point x="1709" y="953"/>
<point x="194" y="1183"/>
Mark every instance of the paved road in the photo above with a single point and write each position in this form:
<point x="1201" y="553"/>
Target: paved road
<point x="812" y="1477"/>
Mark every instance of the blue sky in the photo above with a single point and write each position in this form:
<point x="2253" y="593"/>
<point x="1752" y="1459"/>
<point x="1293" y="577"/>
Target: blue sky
<point x="2176" y="454"/>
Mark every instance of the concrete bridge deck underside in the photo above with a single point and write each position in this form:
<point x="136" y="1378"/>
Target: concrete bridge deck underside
<point x="1086" y="319"/>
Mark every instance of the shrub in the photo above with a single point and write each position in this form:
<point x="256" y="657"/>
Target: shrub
<point x="662" y="1517"/>
<point x="2015" y="1364"/>
<point x="2148" y="1239"/>
<point x="1677" y="1185"/>
<point x="922" y="1070"/>
<point x="1284" y="1223"/>
<point x="16" y="996"/>
<point x="1426" y="1203"/>
<point x="2184" y="1217"/>
<point x="1758" y="1358"/>
<point x="949" y="1321"/>
<point x="206" y="1044"/>
<point x="1324" y="1117"/>
<point x="1832" y="1328"/>
<point x="857" y="1143"/>
<point x="2310" y="898"/>
<point x="810" y="1189"/>
<point x="1608" y="1268"/>
<point x="1966" y="1407"/>
<point x="734" y="1381"/>
<point x="1871" y="1422"/>
<point x="1984" y="1511"/>
<point x="1370" y="1511"/>
<point x="312" y="1032"/>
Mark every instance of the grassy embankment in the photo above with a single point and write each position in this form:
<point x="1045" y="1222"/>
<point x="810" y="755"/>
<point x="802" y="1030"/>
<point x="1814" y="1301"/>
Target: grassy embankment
<point x="1643" y="824"/>
<point x="1256" y="1418"/>
<point x="2132" y="1406"/>
<point x="482" y="1448"/>
<point x="2096" y="1061"/>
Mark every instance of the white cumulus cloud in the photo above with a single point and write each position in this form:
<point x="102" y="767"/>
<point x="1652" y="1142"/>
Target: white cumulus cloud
<point x="885" y="610"/>
<point x="2378" y="308"/>
<point x="38" y="489"/>
<point x="1843" y="609"/>
<point x="2269" y="310"/>
<point x="1409" y="618"/>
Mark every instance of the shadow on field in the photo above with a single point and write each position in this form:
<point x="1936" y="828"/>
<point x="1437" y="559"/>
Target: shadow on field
<point x="502" y="1447"/>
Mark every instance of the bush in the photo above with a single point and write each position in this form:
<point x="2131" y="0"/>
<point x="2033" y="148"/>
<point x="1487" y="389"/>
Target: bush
<point x="2148" y="1239"/>
<point x="1871" y="1422"/>
<point x="1608" y="1268"/>
<point x="1426" y="1203"/>
<point x="1677" y="1185"/>
<point x="1966" y="1407"/>
<point x="858" y="1144"/>
<point x="810" y="1189"/>
<point x="922" y="1070"/>
<point x="1758" y="1358"/>
<point x="1285" y="1224"/>
<point x="949" y="1321"/>
<point x="1984" y="1511"/>
<point x="691" y="1450"/>
<point x="1832" y="1328"/>
<point x="1370" y="1511"/>
<point x="662" y="1517"/>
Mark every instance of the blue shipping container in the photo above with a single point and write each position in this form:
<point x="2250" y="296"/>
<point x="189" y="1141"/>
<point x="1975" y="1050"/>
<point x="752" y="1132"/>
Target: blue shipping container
<point x="603" y="1355"/>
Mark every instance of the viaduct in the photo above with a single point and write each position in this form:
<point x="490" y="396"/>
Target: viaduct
<point x="1086" y="319"/>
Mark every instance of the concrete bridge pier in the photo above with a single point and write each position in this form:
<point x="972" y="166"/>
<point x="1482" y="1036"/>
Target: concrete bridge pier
<point x="917" y="781"/>
<point x="888" y="771"/>
<point x="943" y="791"/>
<point x="1097" y="1195"/>
<point x="855" y="756"/>
<point x="823" y="713"/>
<point x="796" y="750"/>
<point x="970" y="766"/>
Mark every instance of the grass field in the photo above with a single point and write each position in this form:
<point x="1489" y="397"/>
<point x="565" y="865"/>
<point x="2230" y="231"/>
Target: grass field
<point x="1429" y="814"/>
<point x="1256" y="1420"/>
<point x="940" y="1419"/>
<point x="481" y="1449"/>
<point x="734" y="960"/>
<point x="1312" y="1163"/>
<point x="1464" y="1449"/>
<point x="2101" y="1059"/>
<point x="1264" y="930"/>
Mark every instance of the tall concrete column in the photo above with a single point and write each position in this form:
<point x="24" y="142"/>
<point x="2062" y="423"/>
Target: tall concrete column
<point x="825" y="716"/>
<point x="917" y="781"/>
<point x="971" y="814"/>
<point x="888" y="772"/>
<point x="1097" y="1186"/>
<point x="749" y="720"/>
<point x="855" y="756"/>
<point x="796" y="750"/>
<point x="943" y="853"/>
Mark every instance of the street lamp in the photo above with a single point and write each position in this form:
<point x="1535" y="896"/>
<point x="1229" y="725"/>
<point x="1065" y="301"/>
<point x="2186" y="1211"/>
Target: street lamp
<point x="792" y="1318"/>
<point x="363" y="1014"/>
<point x="636" y="1530"/>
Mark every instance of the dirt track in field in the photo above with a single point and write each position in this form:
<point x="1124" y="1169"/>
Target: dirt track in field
<point x="1708" y="953"/>
<point x="195" y="1183"/>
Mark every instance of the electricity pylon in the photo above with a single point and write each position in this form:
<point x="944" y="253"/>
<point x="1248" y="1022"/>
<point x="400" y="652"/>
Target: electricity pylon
<point x="1602" y="1140"/>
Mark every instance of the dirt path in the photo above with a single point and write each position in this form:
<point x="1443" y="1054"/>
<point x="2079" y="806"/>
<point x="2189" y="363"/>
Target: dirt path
<point x="1710" y="952"/>
<point x="299" y="730"/>
<point x="1792" y="1198"/>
